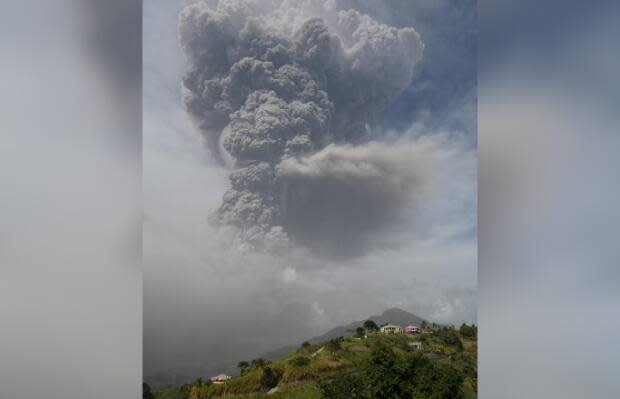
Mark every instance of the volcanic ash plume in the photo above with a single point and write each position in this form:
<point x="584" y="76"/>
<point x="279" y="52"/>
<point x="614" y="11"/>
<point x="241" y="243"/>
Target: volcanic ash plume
<point x="272" y="81"/>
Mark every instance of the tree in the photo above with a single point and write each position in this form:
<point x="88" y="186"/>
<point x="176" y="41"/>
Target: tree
<point x="259" y="363"/>
<point x="269" y="378"/>
<point x="185" y="391"/>
<point x="382" y="374"/>
<point x="466" y="362"/>
<point x="388" y="375"/>
<point x="424" y="325"/>
<point x="146" y="391"/>
<point x="243" y="366"/>
<point x="371" y="326"/>
<point x="468" y="331"/>
<point x="360" y="332"/>
<point x="334" y="344"/>
<point x="305" y="345"/>
<point x="436" y="381"/>
<point x="410" y="369"/>
<point x="199" y="384"/>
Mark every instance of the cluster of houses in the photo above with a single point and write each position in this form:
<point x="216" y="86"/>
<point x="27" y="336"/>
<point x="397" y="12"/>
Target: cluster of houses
<point x="393" y="329"/>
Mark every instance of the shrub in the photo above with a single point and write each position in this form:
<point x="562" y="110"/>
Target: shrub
<point x="469" y="331"/>
<point x="381" y="374"/>
<point x="389" y="376"/>
<point x="451" y="337"/>
<point x="436" y="380"/>
<point x="343" y="386"/>
<point x="467" y="362"/>
<point x="299" y="361"/>
<point x="269" y="378"/>
<point x="334" y="345"/>
<point x="185" y="391"/>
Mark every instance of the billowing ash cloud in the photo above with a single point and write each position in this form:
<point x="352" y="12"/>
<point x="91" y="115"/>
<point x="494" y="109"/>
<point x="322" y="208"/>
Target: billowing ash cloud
<point x="337" y="198"/>
<point x="271" y="82"/>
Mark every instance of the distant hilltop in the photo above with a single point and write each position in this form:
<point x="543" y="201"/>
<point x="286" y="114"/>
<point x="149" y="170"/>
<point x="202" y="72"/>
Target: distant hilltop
<point x="391" y="316"/>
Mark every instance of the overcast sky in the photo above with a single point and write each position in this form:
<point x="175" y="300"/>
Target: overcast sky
<point x="211" y="294"/>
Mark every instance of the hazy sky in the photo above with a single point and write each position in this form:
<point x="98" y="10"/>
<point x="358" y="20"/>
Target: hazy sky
<point x="410" y="239"/>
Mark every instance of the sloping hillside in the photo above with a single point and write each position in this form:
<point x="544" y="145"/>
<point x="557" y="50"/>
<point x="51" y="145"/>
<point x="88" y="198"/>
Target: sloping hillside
<point x="375" y="367"/>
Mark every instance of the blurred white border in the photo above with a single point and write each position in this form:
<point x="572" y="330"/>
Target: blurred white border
<point x="548" y="195"/>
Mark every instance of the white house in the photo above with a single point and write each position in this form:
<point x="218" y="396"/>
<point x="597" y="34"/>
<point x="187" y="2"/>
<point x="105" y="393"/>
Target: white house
<point x="220" y="379"/>
<point x="391" y="329"/>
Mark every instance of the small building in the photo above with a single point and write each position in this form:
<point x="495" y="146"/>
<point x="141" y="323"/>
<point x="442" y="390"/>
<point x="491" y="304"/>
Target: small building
<point x="412" y="330"/>
<point x="416" y="345"/>
<point x="391" y="329"/>
<point x="220" y="379"/>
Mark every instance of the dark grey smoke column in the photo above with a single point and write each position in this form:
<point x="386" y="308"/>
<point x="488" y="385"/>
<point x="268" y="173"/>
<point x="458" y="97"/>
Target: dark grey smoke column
<point x="268" y="81"/>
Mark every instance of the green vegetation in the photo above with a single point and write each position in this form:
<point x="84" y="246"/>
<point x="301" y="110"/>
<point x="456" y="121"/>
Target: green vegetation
<point x="177" y="393"/>
<point x="146" y="391"/>
<point x="259" y="363"/>
<point x="243" y="366"/>
<point x="346" y="385"/>
<point x="371" y="326"/>
<point x="376" y="367"/>
<point x="469" y="331"/>
<point x="300" y="361"/>
<point x="270" y="378"/>
<point x="389" y="375"/>
<point x="450" y="336"/>
<point x="334" y="345"/>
